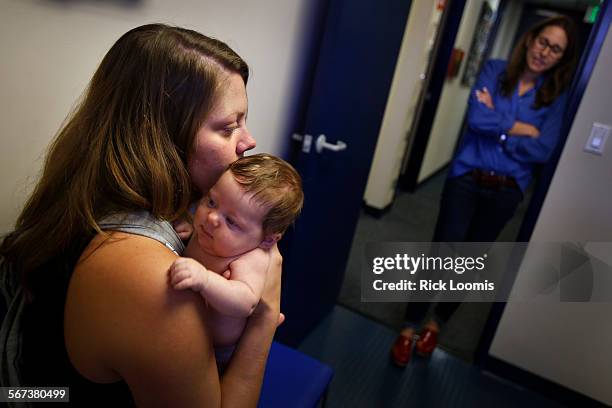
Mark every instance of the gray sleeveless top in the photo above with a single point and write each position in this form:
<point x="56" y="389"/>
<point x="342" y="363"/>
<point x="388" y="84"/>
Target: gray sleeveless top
<point x="143" y="223"/>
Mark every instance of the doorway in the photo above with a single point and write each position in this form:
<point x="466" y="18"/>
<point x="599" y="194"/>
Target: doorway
<point x="413" y="214"/>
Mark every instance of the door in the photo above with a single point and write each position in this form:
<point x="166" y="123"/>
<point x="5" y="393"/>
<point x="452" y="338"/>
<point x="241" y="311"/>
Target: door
<point x="352" y="80"/>
<point x="423" y="122"/>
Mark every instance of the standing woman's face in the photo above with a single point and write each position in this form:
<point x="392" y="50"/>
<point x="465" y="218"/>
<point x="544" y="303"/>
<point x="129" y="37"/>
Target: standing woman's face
<point x="223" y="137"/>
<point x="546" y="49"/>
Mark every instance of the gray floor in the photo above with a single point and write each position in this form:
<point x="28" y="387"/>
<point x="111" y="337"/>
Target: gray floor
<point x="358" y="350"/>
<point x="412" y="218"/>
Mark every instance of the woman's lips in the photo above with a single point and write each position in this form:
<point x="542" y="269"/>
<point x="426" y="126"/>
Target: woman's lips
<point x="538" y="61"/>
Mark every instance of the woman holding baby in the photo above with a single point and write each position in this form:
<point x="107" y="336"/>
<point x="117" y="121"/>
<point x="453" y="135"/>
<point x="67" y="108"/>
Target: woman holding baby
<point x="162" y="118"/>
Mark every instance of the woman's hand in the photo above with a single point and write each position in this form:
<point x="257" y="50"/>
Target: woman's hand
<point x="485" y="98"/>
<point x="524" y="129"/>
<point x="269" y="305"/>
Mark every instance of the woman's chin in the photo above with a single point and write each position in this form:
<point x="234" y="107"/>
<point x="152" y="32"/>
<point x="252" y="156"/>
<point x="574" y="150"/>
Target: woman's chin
<point x="537" y="67"/>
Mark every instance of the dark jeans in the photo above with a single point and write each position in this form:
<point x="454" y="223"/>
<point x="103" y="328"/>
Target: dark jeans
<point x="468" y="213"/>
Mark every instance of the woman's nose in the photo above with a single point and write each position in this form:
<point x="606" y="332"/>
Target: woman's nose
<point x="246" y="142"/>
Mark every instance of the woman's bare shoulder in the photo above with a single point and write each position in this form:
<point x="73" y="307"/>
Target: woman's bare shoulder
<point x="131" y="262"/>
<point x="124" y="265"/>
<point x="123" y="320"/>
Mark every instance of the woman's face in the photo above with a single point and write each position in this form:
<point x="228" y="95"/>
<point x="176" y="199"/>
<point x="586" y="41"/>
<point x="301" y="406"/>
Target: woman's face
<point x="546" y="49"/>
<point x="223" y="137"/>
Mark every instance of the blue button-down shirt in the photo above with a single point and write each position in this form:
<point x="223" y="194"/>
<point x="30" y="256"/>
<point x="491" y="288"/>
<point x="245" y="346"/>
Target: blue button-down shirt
<point x="486" y="144"/>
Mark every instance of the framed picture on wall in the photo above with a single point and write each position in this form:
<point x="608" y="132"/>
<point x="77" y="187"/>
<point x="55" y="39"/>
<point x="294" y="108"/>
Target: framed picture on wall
<point x="479" y="44"/>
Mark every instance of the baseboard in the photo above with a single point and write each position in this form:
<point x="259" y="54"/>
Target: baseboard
<point x="376" y="212"/>
<point x="535" y="383"/>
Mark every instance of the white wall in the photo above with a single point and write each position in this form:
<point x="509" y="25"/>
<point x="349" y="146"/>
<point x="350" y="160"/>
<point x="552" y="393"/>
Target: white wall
<point x="453" y="100"/>
<point x="403" y="96"/>
<point x="507" y="30"/>
<point x="569" y="343"/>
<point x="50" y="50"/>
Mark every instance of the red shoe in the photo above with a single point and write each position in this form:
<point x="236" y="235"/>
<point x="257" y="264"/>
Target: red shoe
<point x="401" y="350"/>
<point x="427" y="342"/>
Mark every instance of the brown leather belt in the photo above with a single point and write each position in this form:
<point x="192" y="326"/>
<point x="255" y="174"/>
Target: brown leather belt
<point x="491" y="180"/>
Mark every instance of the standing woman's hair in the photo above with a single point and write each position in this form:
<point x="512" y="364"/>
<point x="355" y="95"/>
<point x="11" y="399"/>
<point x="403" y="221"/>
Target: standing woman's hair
<point x="558" y="77"/>
<point x="126" y="146"/>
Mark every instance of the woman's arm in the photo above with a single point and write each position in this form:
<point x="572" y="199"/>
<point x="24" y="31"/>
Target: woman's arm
<point x="538" y="149"/>
<point x="518" y="128"/>
<point x="242" y="382"/>
<point x="480" y="117"/>
<point x="523" y="129"/>
<point x="124" y="321"/>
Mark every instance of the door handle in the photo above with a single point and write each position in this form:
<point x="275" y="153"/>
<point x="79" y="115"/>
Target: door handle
<point x="306" y="141"/>
<point x="322" y="144"/>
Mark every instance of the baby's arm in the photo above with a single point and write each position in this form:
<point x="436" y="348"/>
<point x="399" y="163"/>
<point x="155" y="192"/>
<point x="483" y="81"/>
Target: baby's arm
<point x="250" y="270"/>
<point x="236" y="297"/>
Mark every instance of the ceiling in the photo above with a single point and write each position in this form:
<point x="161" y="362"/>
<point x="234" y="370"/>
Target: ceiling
<point x="566" y="4"/>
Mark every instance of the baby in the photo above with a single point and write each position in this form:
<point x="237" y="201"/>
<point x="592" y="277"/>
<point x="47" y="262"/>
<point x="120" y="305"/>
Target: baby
<point x="243" y="215"/>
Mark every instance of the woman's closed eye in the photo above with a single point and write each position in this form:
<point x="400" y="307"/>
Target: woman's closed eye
<point x="229" y="130"/>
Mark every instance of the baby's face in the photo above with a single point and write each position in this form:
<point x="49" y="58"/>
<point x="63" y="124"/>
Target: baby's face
<point x="228" y="222"/>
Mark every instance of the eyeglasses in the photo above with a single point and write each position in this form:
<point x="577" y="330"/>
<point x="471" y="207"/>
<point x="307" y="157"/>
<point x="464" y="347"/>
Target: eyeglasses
<point x="542" y="43"/>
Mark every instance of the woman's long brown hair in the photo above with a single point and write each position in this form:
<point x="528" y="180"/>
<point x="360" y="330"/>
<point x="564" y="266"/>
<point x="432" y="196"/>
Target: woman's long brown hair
<point x="558" y="77"/>
<point x="126" y="146"/>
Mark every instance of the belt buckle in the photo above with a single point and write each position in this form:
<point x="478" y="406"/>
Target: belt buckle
<point x="490" y="179"/>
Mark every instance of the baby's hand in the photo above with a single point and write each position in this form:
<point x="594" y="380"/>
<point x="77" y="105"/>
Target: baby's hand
<point x="183" y="229"/>
<point x="186" y="273"/>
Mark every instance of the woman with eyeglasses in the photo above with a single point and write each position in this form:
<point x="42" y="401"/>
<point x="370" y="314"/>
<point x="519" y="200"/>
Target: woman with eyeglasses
<point x="514" y="118"/>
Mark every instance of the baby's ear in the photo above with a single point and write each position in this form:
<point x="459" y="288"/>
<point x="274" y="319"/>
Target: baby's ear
<point x="270" y="240"/>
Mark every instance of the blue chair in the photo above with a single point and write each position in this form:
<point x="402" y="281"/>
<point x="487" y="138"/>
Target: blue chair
<point x="293" y="379"/>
